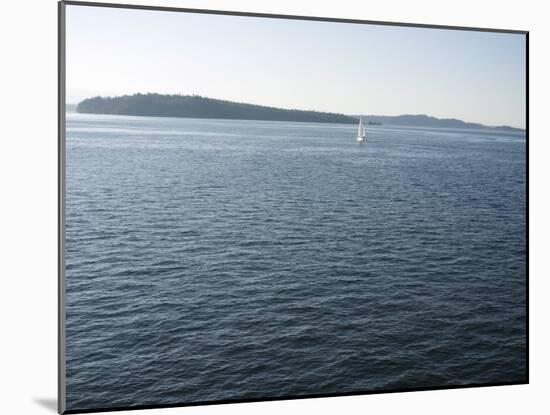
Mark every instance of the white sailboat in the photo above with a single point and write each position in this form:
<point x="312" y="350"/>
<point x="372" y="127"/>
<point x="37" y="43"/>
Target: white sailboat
<point x="361" y="134"/>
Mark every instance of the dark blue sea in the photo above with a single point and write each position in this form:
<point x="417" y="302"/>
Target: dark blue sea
<point x="219" y="259"/>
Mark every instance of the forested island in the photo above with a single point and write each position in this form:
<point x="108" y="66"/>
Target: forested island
<point x="195" y="106"/>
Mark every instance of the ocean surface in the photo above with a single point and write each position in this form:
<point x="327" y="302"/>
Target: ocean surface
<point x="210" y="260"/>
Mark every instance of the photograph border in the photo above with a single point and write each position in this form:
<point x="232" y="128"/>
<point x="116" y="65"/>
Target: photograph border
<point x="61" y="200"/>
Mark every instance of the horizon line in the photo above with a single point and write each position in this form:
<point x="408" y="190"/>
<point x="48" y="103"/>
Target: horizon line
<point x="307" y="110"/>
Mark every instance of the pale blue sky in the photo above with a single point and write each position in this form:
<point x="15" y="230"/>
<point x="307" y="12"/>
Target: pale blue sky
<point x="324" y="66"/>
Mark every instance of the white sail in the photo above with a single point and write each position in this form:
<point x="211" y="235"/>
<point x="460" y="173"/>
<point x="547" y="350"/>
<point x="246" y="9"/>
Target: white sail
<point x="361" y="131"/>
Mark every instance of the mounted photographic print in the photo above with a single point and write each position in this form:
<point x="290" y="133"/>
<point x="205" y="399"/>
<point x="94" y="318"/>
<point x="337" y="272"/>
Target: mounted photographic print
<point x="258" y="207"/>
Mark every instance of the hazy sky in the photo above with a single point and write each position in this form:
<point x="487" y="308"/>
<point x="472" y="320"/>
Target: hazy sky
<point x="324" y="66"/>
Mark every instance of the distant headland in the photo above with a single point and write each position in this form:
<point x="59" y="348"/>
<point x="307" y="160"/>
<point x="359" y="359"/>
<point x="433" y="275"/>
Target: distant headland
<point x="196" y="106"/>
<point x="423" y="120"/>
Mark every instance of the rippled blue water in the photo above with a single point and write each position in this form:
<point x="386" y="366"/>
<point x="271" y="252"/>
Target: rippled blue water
<point x="210" y="259"/>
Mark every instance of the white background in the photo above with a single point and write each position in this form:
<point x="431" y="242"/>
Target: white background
<point x="28" y="188"/>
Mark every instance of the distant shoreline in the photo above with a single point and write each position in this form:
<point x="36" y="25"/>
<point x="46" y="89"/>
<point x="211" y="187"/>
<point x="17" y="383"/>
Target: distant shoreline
<point x="423" y="120"/>
<point x="194" y="106"/>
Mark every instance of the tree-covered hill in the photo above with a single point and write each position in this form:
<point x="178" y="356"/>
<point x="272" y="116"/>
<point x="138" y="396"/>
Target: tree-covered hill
<point x="194" y="106"/>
